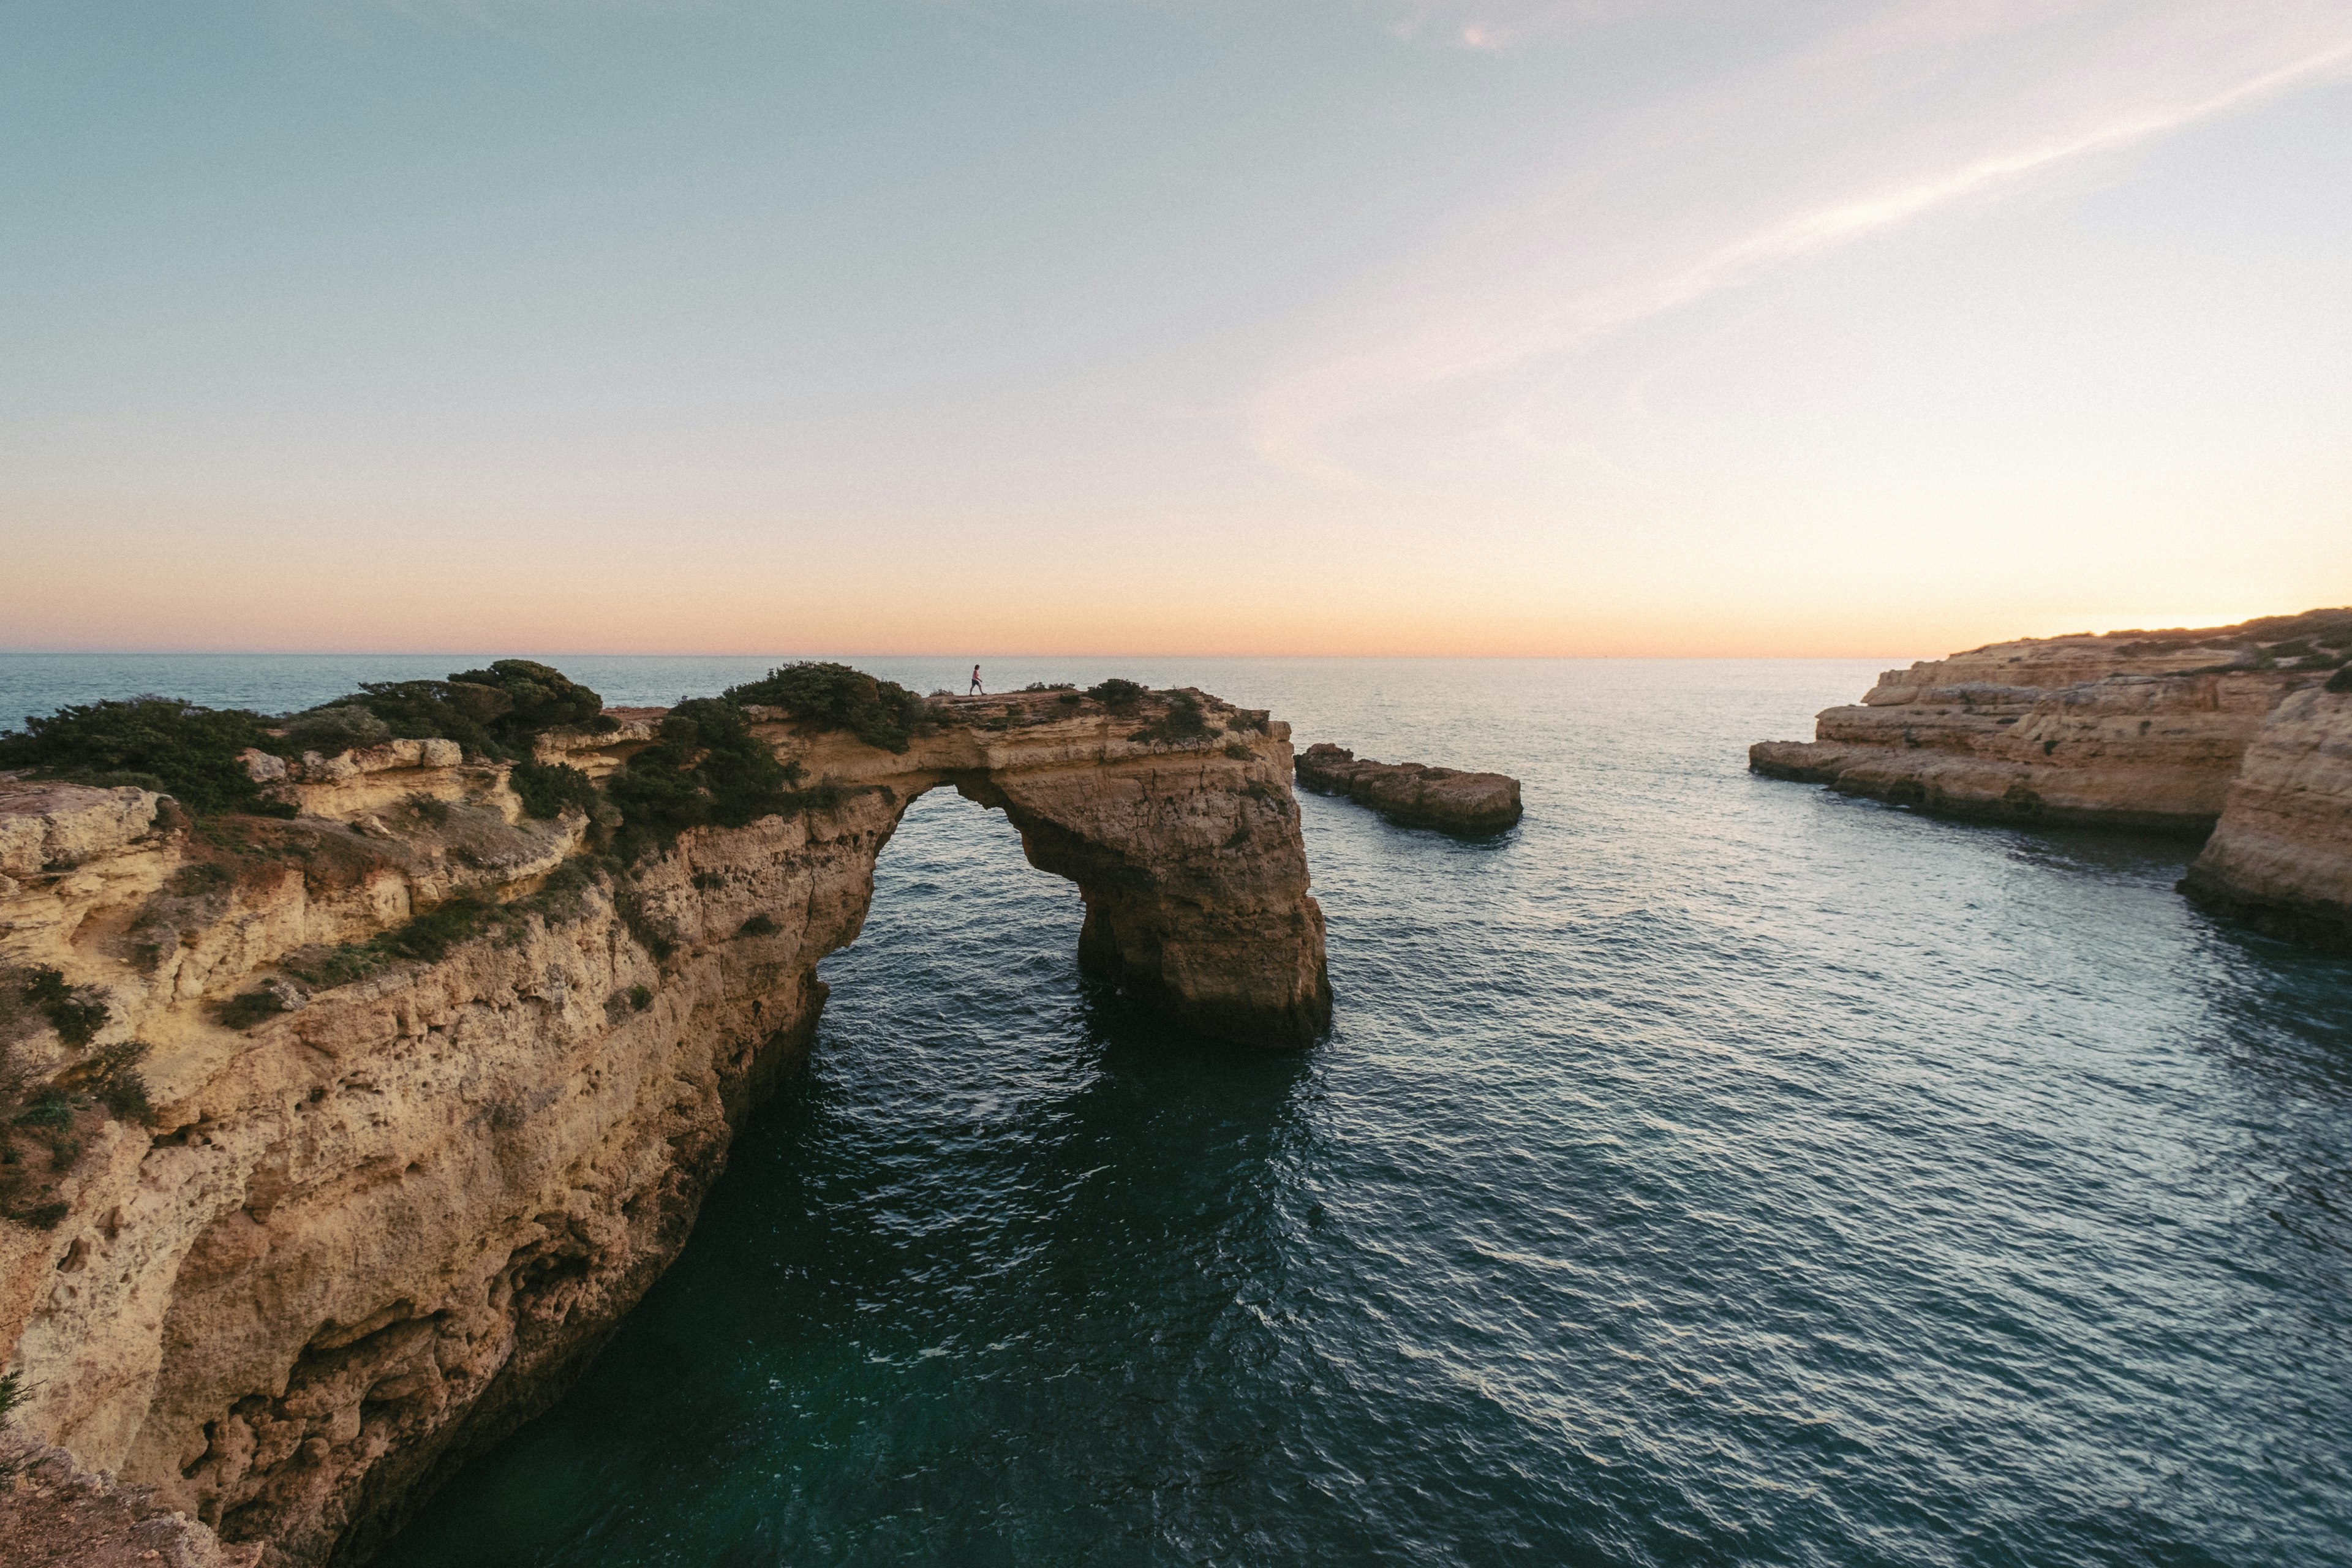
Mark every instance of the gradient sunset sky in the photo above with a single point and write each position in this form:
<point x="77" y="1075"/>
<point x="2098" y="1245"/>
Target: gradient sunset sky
<point x="1270" y="326"/>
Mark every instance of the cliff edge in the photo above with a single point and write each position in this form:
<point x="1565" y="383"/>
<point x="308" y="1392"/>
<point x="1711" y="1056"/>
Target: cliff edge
<point x="338" y="1139"/>
<point x="2244" y="732"/>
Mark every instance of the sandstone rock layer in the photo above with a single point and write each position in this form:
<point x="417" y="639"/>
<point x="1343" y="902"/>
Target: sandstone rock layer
<point x="2244" y="733"/>
<point x="375" y="1222"/>
<point x="2280" y="857"/>
<point x="2131" y="730"/>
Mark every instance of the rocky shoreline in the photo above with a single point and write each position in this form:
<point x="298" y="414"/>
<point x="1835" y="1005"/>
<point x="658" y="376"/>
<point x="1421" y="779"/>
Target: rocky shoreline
<point x="2240" y="734"/>
<point x="391" y="1179"/>
<point x="1413" y="795"/>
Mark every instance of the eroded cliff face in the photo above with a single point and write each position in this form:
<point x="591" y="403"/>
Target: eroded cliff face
<point x="2100" y="731"/>
<point x="372" y="1225"/>
<point x="2281" y="856"/>
<point x="2242" y="731"/>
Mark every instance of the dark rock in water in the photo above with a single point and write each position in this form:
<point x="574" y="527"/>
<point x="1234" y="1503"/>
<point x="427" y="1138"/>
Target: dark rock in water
<point x="1413" y="793"/>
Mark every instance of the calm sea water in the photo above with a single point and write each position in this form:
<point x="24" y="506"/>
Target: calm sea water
<point x="1711" y="1171"/>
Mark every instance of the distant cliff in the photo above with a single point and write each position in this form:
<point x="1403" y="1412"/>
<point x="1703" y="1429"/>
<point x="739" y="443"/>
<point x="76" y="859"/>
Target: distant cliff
<point x="2243" y="731"/>
<point x="341" y="1137"/>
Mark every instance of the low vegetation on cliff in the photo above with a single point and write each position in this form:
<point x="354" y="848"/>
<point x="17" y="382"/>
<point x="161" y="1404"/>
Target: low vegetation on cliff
<point x="2315" y="639"/>
<point x="493" y="712"/>
<point x="834" y="697"/>
<point x="47" y="1117"/>
<point x="150" y="742"/>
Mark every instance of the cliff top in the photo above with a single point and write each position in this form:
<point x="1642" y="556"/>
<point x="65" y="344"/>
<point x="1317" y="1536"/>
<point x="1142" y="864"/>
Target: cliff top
<point x="2329" y="628"/>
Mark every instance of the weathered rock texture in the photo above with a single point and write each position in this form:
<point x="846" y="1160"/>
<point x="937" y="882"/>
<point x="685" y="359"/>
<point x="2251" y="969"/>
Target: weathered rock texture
<point x="56" y="1515"/>
<point x="2141" y="729"/>
<point x="386" y="1220"/>
<point x="2281" y="856"/>
<point x="1413" y="793"/>
<point x="2243" y="731"/>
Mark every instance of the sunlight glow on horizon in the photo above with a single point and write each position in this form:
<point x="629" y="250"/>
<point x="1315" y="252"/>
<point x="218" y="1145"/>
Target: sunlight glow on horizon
<point x="1466" y="328"/>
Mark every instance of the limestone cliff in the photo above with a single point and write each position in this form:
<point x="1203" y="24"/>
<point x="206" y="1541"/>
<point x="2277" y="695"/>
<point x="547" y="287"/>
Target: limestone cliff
<point x="404" y="1171"/>
<point x="2281" y="856"/>
<point x="2130" y="730"/>
<point x="2244" y="731"/>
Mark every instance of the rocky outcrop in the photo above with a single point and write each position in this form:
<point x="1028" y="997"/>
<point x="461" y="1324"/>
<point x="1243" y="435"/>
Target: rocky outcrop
<point x="55" y="1515"/>
<point x="2280" y="857"/>
<point x="404" y="1171"/>
<point x="2131" y="730"/>
<point x="1413" y="795"/>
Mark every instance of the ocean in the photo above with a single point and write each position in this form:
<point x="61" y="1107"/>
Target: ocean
<point x="1711" y="1170"/>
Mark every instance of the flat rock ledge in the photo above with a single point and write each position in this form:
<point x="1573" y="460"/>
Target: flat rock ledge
<point x="1413" y="795"/>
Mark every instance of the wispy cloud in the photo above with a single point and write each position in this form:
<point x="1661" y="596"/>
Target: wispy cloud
<point x="1928" y="108"/>
<point x="1495" y="25"/>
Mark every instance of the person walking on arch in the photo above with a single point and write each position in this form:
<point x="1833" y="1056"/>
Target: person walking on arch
<point x="975" y="683"/>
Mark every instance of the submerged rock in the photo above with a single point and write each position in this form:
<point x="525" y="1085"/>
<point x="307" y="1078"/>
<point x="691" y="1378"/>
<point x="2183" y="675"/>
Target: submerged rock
<point x="1413" y="795"/>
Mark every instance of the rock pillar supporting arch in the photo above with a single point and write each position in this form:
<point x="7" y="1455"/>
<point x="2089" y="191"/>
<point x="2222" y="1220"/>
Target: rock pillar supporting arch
<point x="1195" y="886"/>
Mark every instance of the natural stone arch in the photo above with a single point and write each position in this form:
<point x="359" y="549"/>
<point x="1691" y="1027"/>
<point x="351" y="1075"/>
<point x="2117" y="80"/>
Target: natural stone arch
<point x="365" y="1235"/>
<point x="1188" y="857"/>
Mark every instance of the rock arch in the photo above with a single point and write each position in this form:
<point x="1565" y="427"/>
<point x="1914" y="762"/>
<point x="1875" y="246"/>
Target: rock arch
<point x="367" y="1234"/>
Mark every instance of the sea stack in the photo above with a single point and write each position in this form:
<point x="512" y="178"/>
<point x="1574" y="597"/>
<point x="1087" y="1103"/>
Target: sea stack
<point x="1413" y="795"/>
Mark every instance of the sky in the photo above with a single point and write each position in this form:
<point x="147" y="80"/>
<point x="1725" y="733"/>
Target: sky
<point x="1401" y="327"/>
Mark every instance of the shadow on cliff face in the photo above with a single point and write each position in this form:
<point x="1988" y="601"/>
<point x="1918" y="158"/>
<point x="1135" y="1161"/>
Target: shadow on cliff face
<point x="999" y="1241"/>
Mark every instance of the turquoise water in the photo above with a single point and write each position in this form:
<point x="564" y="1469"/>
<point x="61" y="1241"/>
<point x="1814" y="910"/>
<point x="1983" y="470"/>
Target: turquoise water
<point x="1711" y="1171"/>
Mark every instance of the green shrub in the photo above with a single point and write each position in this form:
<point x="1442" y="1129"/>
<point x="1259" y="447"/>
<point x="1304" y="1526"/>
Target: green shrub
<point x="2341" y="680"/>
<point x="76" y="1021"/>
<point x="12" y="1391"/>
<point x="834" y="697"/>
<point x="546" y="788"/>
<point x="1051" y="686"/>
<point x="185" y="751"/>
<point x="529" y="696"/>
<point x="427" y="938"/>
<point x="44" y="1216"/>
<point x="492" y="713"/>
<point x="1183" y="722"/>
<point x="825" y="795"/>
<point x="49" y="1107"/>
<point x="707" y="769"/>
<point x="759" y="925"/>
<point x="337" y="727"/>
<point x="1239" y="751"/>
<point x="1118" y="696"/>
<point x="116" y="1081"/>
<point x="640" y="997"/>
<point x="649" y="936"/>
<point x="431" y="710"/>
<point x="1070" y="698"/>
<point x="243" y="1012"/>
<point x="431" y="935"/>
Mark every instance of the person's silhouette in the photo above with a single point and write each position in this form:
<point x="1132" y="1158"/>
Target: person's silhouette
<point x="975" y="681"/>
